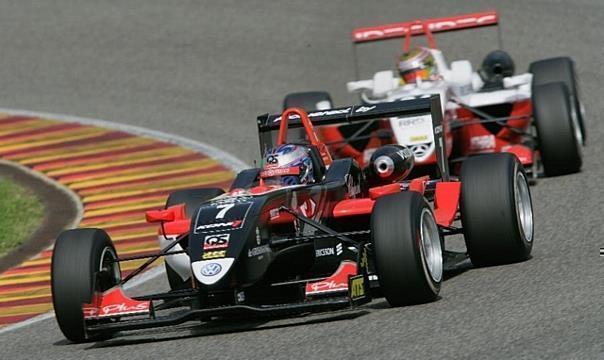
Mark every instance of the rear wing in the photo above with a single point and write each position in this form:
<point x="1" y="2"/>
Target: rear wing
<point x="424" y="27"/>
<point x="269" y="124"/>
<point x="418" y="27"/>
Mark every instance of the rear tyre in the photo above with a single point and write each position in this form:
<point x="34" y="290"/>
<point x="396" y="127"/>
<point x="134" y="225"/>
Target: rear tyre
<point x="496" y="209"/>
<point x="558" y="136"/>
<point x="561" y="69"/>
<point x="192" y="198"/>
<point x="84" y="261"/>
<point x="407" y="249"/>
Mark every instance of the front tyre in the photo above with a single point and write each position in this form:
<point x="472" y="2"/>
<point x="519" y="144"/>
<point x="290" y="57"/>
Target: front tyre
<point x="407" y="249"/>
<point x="84" y="261"/>
<point x="496" y="210"/>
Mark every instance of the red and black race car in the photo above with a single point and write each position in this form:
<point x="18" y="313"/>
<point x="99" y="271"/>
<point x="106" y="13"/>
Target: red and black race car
<point x="537" y="115"/>
<point x="273" y="249"/>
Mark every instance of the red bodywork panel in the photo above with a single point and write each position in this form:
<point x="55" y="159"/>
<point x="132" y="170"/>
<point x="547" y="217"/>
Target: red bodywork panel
<point x="379" y="191"/>
<point x="172" y="213"/>
<point x="352" y="207"/>
<point x="419" y="184"/>
<point x="114" y="303"/>
<point x="335" y="283"/>
<point x="446" y="202"/>
<point x="523" y="153"/>
<point x="477" y="139"/>
<point x="419" y="27"/>
<point x="174" y="219"/>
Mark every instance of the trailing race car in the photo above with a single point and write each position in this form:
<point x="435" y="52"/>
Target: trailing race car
<point x="537" y="115"/>
<point x="304" y="233"/>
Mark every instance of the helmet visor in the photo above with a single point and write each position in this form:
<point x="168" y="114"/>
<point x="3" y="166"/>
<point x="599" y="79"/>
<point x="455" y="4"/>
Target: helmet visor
<point x="281" y="176"/>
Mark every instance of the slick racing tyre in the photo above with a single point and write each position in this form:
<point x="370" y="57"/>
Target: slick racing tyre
<point x="562" y="69"/>
<point x="559" y="138"/>
<point x="407" y="249"/>
<point x="84" y="261"/>
<point x="192" y="198"/>
<point x="309" y="101"/>
<point x="496" y="209"/>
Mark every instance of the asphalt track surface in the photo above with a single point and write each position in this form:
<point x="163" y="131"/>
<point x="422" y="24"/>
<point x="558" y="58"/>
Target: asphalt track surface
<point x="205" y="70"/>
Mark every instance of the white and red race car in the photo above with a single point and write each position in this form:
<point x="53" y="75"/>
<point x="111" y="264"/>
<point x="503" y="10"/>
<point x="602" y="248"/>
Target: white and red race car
<point x="537" y="115"/>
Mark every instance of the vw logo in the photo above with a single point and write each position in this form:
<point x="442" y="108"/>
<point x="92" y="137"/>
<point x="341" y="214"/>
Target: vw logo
<point x="211" y="269"/>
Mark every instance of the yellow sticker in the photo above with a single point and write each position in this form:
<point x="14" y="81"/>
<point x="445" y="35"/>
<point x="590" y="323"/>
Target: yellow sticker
<point x="214" y="254"/>
<point x="418" y="138"/>
<point x="357" y="288"/>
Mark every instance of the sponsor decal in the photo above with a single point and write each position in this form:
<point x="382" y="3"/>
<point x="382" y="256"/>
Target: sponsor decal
<point x="233" y="199"/>
<point x="274" y="213"/>
<point x="336" y="282"/>
<point x="405" y="153"/>
<point x="230" y="225"/>
<point x="272" y="159"/>
<point x="279" y="172"/>
<point x="318" y="113"/>
<point x="357" y="287"/>
<point x="123" y="308"/>
<point x="330" y="285"/>
<point x="364" y="109"/>
<point x="483" y="142"/>
<point x="308" y="208"/>
<point x="325" y="252"/>
<point x="259" y="250"/>
<point x="115" y="310"/>
<point x="438" y="129"/>
<point x="211" y="269"/>
<point x="113" y="303"/>
<point x="329" y="251"/>
<point x="413" y="121"/>
<point x="217" y="241"/>
<point x="364" y="263"/>
<point x="418" y="138"/>
<point x="213" y="254"/>
<point x="258" y="237"/>
<point x="353" y="189"/>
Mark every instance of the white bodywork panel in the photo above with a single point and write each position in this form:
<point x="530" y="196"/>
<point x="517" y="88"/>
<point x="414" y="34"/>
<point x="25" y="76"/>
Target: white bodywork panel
<point x="458" y="82"/>
<point x="209" y="272"/>
<point x="180" y="263"/>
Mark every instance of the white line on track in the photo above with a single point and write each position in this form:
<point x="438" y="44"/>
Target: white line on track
<point x="225" y="158"/>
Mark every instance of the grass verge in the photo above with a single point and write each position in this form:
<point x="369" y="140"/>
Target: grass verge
<point x="21" y="212"/>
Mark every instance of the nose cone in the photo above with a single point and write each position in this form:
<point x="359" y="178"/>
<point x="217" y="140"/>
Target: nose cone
<point x="209" y="272"/>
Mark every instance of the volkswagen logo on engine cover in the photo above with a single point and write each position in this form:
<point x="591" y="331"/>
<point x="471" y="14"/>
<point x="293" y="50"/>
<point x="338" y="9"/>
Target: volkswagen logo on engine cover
<point x="211" y="269"/>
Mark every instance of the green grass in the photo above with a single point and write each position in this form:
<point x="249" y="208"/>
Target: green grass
<point x="20" y="215"/>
